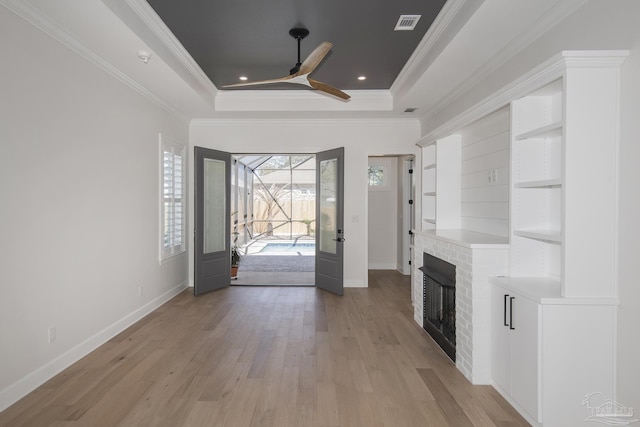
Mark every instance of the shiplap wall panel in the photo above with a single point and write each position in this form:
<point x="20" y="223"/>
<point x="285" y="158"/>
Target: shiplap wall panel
<point x="493" y="194"/>
<point x="490" y="144"/>
<point x="479" y="179"/>
<point x="487" y="161"/>
<point x="485" y="147"/>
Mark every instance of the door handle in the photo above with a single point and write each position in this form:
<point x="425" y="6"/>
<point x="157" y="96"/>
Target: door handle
<point x="504" y="305"/>
<point x="511" y="312"/>
<point x="339" y="239"/>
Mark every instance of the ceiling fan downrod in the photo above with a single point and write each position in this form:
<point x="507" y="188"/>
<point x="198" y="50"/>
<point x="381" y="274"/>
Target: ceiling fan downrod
<point x="298" y="34"/>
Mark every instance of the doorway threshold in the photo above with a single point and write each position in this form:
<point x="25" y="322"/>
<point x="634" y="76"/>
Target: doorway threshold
<point x="261" y="278"/>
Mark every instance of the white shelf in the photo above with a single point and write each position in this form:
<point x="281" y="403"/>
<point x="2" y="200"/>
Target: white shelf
<point x="429" y="193"/>
<point x="535" y="288"/>
<point x="467" y="238"/>
<point x="429" y="220"/>
<point x="545" y="183"/>
<point x="544" y="235"/>
<point x="549" y="131"/>
<point x="545" y="291"/>
<point x="431" y="166"/>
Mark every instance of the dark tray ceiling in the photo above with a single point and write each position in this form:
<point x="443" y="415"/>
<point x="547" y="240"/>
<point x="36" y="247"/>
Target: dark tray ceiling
<point x="251" y="37"/>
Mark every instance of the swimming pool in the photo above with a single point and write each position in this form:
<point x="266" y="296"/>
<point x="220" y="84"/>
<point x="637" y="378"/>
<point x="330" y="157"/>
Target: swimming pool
<point x="289" y="248"/>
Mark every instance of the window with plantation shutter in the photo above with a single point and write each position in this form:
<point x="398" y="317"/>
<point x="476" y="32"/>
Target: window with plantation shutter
<point x="173" y="198"/>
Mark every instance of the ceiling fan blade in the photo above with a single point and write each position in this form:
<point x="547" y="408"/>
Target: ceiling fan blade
<point x="315" y="58"/>
<point x="328" y="89"/>
<point x="262" y="82"/>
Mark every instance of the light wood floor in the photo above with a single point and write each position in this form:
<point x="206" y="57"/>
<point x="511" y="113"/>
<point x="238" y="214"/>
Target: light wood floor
<point x="260" y="356"/>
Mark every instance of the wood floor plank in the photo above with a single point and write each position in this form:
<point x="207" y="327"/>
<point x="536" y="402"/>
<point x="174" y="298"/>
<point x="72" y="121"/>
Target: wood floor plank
<point x="202" y="414"/>
<point x="326" y="413"/>
<point x="451" y="409"/>
<point x="269" y="356"/>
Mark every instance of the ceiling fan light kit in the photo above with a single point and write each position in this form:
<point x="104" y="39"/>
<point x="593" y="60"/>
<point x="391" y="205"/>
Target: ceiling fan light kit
<point x="299" y="74"/>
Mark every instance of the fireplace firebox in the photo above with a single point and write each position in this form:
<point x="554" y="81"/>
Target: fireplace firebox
<point x="439" y="302"/>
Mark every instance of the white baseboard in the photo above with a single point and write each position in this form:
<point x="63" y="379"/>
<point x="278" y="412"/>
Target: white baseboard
<point x="406" y="271"/>
<point x="354" y="284"/>
<point x="382" y="266"/>
<point x="33" y="380"/>
<point x="416" y="318"/>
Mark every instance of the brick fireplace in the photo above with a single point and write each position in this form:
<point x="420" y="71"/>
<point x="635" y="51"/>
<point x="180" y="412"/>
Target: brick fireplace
<point x="476" y="256"/>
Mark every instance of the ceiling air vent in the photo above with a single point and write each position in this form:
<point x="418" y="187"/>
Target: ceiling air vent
<point x="407" y="22"/>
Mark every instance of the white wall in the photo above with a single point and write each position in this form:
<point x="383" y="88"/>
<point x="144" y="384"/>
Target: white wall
<point x="80" y="207"/>
<point x="600" y="24"/>
<point x="383" y="217"/>
<point x="361" y="138"/>
<point x="629" y="231"/>
<point x="485" y="148"/>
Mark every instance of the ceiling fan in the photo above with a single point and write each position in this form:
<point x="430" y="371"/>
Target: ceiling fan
<point x="299" y="74"/>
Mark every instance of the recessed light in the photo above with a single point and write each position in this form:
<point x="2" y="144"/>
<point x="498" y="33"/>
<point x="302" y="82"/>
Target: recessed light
<point x="361" y="78"/>
<point x="244" y="78"/>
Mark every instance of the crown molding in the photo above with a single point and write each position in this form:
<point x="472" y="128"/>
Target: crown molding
<point x="45" y="24"/>
<point x="557" y="14"/>
<point x="302" y="122"/>
<point x="545" y="73"/>
<point x="157" y="26"/>
<point x="453" y="16"/>
<point x="301" y="100"/>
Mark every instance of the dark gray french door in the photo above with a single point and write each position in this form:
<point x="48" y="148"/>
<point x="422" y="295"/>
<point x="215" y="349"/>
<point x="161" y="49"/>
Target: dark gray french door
<point x="212" y="236"/>
<point x="330" y="220"/>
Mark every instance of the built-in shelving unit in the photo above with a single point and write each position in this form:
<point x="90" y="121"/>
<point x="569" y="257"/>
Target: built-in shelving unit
<point x="429" y="177"/>
<point x="441" y="184"/>
<point x="559" y="284"/>
<point x="536" y="174"/>
<point x="562" y="244"/>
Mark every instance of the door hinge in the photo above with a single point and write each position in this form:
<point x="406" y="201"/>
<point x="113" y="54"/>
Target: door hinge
<point x="409" y="262"/>
<point x="410" y="202"/>
<point x="410" y="232"/>
<point x="410" y="170"/>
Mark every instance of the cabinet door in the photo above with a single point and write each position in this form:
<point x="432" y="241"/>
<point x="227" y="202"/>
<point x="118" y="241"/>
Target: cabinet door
<point x="500" y="340"/>
<point x="525" y="356"/>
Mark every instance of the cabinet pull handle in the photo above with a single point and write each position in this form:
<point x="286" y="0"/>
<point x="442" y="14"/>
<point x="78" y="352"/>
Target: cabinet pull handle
<point x="511" y="312"/>
<point x="505" y="310"/>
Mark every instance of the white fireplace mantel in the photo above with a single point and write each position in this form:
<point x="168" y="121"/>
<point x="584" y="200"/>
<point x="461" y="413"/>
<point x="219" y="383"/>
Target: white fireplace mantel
<point x="466" y="238"/>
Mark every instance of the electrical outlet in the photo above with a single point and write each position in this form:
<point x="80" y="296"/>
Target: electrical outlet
<point x="52" y="335"/>
<point x="140" y="291"/>
<point x="492" y="176"/>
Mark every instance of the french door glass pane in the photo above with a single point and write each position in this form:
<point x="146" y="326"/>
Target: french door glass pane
<point x="328" y="205"/>
<point x="214" y="205"/>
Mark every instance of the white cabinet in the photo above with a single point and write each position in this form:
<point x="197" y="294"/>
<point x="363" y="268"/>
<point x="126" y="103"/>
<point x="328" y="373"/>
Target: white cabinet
<point x="549" y="351"/>
<point x="515" y="348"/>
<point x="441" y="184"/>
